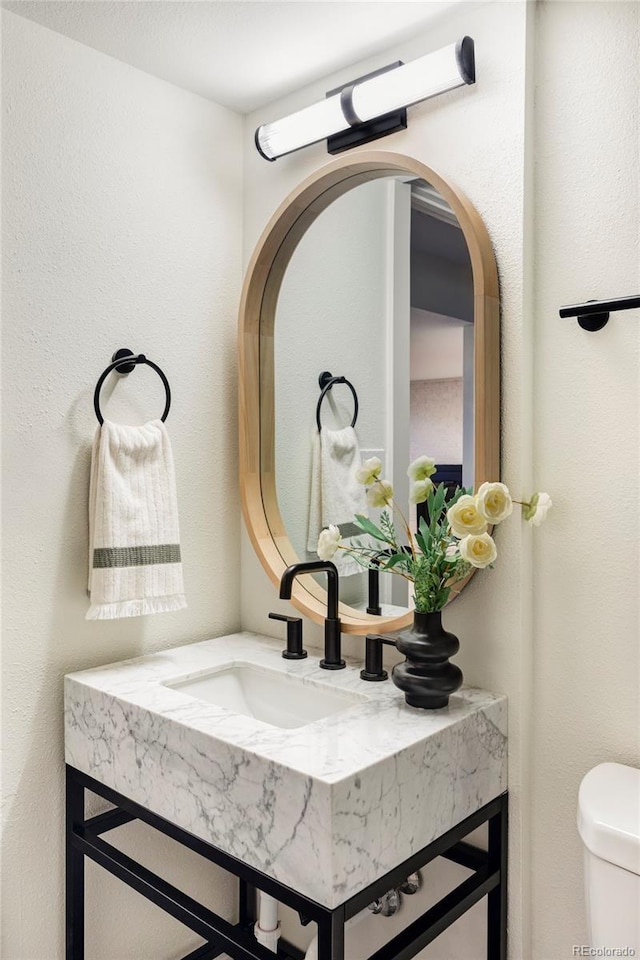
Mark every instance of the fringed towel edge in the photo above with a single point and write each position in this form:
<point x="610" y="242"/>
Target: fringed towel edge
<point x="136" y="608"/>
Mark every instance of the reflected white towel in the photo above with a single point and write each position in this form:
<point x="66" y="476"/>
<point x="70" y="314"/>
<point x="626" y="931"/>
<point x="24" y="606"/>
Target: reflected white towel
<point x="134" y="538"/>
<point x="336" y="495"/>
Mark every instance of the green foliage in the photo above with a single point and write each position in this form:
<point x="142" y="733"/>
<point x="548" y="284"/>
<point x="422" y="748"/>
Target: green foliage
<point x="429" y="558"/>
<point x="367" y="526"/>
<point x="387" y="526"/>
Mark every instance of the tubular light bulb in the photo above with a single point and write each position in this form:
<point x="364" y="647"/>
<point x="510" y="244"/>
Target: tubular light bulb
<point x="430" y="75"/>
<point x="317" y="122"/>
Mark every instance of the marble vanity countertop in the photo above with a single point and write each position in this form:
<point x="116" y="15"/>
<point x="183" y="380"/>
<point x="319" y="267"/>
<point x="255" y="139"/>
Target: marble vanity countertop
<point x="325" y="808"/>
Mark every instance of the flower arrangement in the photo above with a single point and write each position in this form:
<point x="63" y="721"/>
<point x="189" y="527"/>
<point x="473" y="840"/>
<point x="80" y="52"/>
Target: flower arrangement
<point x="443" y="550"/>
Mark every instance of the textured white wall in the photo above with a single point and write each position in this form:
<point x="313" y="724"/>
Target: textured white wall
<point x="476" y="137"/>
<point x="122" y="218"/>
<point x="586" y="630"/>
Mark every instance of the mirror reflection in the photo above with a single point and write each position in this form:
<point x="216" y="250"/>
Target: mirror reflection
<point x="378" y="293"/>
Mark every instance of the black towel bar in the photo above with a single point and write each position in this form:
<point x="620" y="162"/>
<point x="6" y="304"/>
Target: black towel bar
<point x="594" y="314"/>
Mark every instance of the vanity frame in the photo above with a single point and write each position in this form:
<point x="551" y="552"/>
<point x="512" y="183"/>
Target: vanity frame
<point x="84" y="839"/>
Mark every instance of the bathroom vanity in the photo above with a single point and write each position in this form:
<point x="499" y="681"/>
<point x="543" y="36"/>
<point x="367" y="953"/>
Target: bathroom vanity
<point x="319" y="789"/>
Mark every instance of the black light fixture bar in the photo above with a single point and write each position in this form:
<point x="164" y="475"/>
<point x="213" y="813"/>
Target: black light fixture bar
<point x="594" y="314"/>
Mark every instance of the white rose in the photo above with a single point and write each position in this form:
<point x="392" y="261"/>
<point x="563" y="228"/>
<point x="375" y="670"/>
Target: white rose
<point x="494" y="502"/>
<point x="465" y="518"/>
<point x="380" y="494"/>
<point x="479" y="551"/>
<point x="369" y="472"/>
<point x="420" y="490"/>
<point x="328" y="542"/>
<point x="537" y="508"/>
<point x="421" y="469"/>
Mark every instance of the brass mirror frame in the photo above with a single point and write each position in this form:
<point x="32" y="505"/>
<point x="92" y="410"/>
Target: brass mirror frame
<point x="256" y="380"/>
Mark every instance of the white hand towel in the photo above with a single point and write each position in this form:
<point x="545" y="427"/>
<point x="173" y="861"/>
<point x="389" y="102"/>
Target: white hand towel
<point x="336" y="495"/>
<point x="134" y="538"/>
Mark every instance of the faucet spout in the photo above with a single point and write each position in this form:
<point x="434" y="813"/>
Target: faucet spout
<point x="313" y="566"/>
<point x="332" y="630"/>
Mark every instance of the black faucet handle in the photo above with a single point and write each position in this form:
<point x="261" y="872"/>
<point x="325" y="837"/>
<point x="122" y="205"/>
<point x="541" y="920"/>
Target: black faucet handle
<point x="294" y="649"/>
<point x="373" y="669"/>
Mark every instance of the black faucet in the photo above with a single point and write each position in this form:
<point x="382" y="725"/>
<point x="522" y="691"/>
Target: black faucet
<point x="332" y="659"/>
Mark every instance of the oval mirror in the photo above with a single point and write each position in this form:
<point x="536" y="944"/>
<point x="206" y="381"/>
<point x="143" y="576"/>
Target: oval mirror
<point x="368" y="327"/>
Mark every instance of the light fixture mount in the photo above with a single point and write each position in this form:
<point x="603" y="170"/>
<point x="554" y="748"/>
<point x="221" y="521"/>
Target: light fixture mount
<point x="364" y="132"/>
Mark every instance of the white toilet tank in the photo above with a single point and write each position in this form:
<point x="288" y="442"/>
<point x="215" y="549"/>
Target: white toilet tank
<point x="609" y="824"/>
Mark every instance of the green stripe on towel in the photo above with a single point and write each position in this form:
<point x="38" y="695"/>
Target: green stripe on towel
<point x="349" y="530"/>
<point x="136" y="556"/>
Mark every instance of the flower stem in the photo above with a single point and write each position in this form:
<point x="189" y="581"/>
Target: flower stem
<point x="407" y="529"/>
<point x="353" y="551"/>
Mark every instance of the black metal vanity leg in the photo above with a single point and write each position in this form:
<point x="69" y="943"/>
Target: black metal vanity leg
<point x="74" y="870"/>
<point x="246" y="903"/>
<point x="497" y="898"/>
<point x="331" y="935"/>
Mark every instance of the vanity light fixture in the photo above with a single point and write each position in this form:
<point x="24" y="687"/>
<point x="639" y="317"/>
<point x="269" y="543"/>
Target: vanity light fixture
<point x="371" y="106"/>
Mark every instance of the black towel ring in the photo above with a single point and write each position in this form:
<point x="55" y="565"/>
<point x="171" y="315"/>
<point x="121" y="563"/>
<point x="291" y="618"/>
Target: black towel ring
<point x="123" y="363"/>
<point x="326" y="381"/>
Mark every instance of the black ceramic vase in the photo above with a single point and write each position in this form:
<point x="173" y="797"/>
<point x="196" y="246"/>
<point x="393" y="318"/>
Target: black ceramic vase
<point x="426" y="676"/>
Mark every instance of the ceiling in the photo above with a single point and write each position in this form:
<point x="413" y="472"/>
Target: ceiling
<point x="241" y="53"/>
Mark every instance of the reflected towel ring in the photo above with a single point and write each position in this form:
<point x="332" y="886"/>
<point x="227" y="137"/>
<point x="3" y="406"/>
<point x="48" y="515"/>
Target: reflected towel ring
<point x="123" y="363"/>
<point x="326" y="381"/>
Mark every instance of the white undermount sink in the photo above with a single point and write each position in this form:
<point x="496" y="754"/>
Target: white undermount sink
<point x="278" y="699"/>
